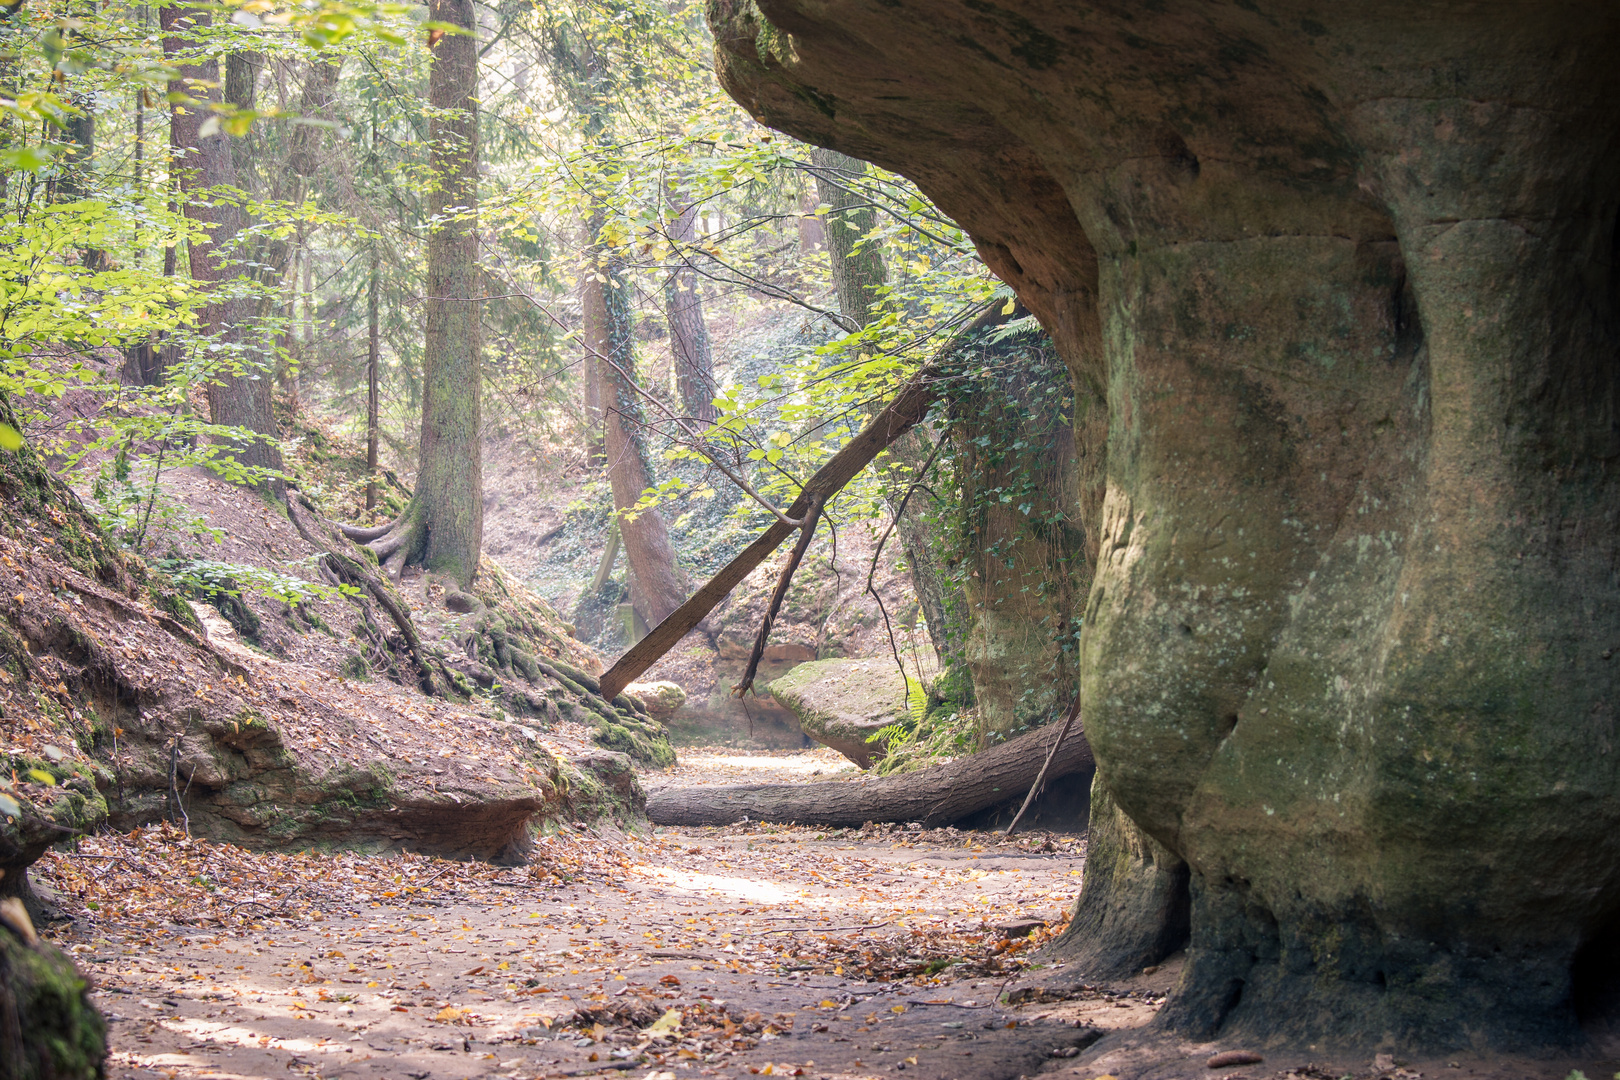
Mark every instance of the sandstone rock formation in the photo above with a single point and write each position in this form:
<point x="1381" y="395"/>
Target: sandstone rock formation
<point x="661" y="698"/>
<point x="843" y="703"/>
<point x="1026" y="563"/>
<point x="1344" y="275"/>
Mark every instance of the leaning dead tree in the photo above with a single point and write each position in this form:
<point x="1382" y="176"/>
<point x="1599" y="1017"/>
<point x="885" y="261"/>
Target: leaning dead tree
<point x="933" y="796"/>
<point x="937" y="795"/>
<point x="907" y="409"/>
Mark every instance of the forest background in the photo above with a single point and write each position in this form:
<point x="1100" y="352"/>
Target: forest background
<point x="436" y="229"/>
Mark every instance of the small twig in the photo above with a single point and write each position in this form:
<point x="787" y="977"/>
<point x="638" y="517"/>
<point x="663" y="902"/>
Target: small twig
<point x="871" y="571"/>
<point x="1040" y="777"/>
<point x="821" y="930"/>
<point x="113" y="858"/>
<point x="599" y="1066"/>
<point x="807" y="531"/>
<point x="175" y="806"/>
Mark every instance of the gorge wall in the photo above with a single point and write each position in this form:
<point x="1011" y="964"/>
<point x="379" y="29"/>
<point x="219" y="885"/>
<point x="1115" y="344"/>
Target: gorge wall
<point x="1344" y="274"/>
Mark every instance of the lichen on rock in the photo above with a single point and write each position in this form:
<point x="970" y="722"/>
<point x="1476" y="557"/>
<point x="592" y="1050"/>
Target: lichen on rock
<point x="843" y="704"/>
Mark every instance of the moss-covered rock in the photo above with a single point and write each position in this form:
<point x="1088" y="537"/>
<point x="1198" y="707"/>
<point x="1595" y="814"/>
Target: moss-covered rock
<point x="643" y="739"/>
<point x="660" y="699"/>
<point x="843" y="703"/>
<point x="49" y="1030"/>
<point x="606" y="782"/>
<point x="50" y="801"/>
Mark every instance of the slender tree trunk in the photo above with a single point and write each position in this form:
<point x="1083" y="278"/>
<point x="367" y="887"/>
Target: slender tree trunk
<point x="242" y="78"/>
<point x="81" y="132"/>
<point x="373" y="359"/>
<point x="315" y="102"/>
<point x="76" y="175"/>
<point x="594" y="334"/>
<point x="857" y="269"/>
<point x="444" y="525"/>
<point x="858" y="274"/>
<point x="238" y="396"/>
<point x="812" y="237"/>
<point x="688" y="335"/>
<point x="141" y="367"/>
<point x="657" y="586"/>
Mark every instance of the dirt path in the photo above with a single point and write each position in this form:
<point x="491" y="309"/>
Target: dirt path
<point x="723" y="952"/>
<point x="835" y="953"/>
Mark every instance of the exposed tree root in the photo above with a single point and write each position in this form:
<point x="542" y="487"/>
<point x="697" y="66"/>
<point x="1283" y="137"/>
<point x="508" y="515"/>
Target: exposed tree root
<point x="353" y="570"/>
<point x="365" y="534"/>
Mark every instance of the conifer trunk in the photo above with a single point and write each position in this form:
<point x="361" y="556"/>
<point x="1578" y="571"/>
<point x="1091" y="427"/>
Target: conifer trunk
<point x="239" y="397"/>
<point x="657" y="586"/>
<point x="857" y="269"/>
<point x="594" y="334"/>
<point x="688" y="334"/>
<point x="446" y="514"/>
<point x="373" y="361"/>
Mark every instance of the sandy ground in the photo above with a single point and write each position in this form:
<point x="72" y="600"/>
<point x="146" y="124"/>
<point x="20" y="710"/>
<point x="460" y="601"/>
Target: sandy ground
<point x="779" y="951"/>
<point x="732" y="952"/>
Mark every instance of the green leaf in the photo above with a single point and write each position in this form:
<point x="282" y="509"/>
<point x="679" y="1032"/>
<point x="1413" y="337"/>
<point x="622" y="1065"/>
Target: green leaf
<point x="9" y="438"/>
<point x="26" y="158"/>
<point x="43" y="777"/>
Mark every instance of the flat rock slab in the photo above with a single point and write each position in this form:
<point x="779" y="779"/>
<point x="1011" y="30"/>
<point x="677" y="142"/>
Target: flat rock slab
<point x="843" y="703"/>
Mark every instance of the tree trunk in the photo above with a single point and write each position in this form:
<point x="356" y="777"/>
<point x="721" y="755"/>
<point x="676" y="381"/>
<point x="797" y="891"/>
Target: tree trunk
<point x="373" y="363"/>
<point x="934" y="796"/>
<point x="242" y="78"/>
<point x="594" y="334"/>
<point x="238" y="394"/>
<point x="81" y="133"/>
<point x="812" y="237"/>
<point x="442" y="528"/>
<point x="688" y="334"/>
<point x="657" y="586"/>
<point x="315" y="102"/>
<point x="857" y="268"/>
<point x="858" y="274"/>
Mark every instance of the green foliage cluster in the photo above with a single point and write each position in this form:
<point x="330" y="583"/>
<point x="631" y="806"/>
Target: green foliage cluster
<point x="211" y="578"/>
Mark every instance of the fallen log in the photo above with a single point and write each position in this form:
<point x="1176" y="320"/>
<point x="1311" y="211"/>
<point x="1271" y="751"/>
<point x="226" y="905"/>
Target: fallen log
<point x="933" y="796"/>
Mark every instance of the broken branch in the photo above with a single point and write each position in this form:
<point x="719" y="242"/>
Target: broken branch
<point x="807" y="530"/>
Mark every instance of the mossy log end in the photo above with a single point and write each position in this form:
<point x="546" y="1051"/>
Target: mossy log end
<point x="934" y="796"/>
<point x="49" y="1030"/>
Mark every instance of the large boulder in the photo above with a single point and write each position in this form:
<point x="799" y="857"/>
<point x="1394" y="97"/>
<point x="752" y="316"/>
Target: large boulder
<point x="1344" y="275"/>
<point x="843" y="703"/>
